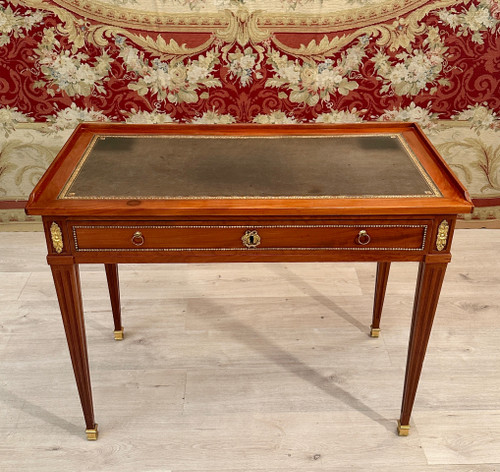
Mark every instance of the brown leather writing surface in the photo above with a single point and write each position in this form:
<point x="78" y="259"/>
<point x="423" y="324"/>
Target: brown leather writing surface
<point x="259" y="167"/>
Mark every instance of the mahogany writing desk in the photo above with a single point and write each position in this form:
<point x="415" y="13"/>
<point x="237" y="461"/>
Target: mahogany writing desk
<point x="121" y="193"/>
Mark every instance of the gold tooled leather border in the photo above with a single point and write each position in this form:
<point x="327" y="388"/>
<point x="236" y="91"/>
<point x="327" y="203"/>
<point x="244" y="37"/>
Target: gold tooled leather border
<point x="65" y="193"/>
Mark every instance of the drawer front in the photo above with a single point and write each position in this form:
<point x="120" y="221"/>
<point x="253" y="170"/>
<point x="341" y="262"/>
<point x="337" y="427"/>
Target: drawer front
<point x="253" y="237"/>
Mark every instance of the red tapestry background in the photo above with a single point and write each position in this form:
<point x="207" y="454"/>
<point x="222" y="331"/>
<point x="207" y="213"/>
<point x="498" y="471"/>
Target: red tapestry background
<point x="228" y="61"/>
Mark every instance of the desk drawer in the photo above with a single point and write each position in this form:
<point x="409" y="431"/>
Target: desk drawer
<point x="251" y="237"/>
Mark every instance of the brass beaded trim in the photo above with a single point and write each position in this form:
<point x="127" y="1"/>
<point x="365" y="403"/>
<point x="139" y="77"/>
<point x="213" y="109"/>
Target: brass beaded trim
<point x="364" y="248"/>
<point x="434" y="192"/>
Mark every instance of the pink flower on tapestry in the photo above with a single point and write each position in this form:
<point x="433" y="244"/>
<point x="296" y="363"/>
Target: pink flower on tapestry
<point x="415" y="72"/>
<point x="495" y="9"/>
<point x="75" y="74"/>
<point x="476" y="20"/>
<point x="175" y="81"/>
<point x="16" y="25"/>
<point x="243" y="65"/>
<point x="311" y="82"/>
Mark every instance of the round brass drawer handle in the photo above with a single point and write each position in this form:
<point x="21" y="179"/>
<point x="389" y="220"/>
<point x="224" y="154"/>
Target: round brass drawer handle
<point x="363" y="238"/>
<point x="137" y="239"/>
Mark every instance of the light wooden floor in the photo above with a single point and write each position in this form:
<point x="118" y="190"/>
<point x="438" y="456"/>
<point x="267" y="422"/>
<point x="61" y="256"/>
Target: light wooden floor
<point x="263" y="367"/>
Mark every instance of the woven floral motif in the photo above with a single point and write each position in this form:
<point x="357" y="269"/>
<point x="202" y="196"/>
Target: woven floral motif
<point x="63" y="61"/>
<point x="253" y="61"/>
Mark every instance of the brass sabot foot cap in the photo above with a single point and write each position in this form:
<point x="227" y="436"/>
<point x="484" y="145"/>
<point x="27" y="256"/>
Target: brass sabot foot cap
<point x="374" y="332"/>
<point x="92" y="433"/>
<point x="118" y="335"/>
<point x="403" y="429"/>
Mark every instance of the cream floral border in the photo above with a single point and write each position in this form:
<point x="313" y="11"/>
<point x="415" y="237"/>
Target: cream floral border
<point x="206" y="22"/>
<point x="242" y="27"/>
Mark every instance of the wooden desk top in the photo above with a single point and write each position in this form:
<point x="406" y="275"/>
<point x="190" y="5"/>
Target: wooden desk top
<point x="195" y="170"/>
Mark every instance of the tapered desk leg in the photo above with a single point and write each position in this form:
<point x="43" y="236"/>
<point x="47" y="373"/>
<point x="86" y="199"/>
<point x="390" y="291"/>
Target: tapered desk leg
<point x="114" y="295"/>
<point x="429" y="282"/>
<point x="378" y="302"/>
<point x="67" y="282"/>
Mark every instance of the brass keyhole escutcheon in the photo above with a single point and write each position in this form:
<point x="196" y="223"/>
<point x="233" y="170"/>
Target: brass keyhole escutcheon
<point x="251" y="238"/>
<point x="363" y="238"/>
<point x="137" y="239"/>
